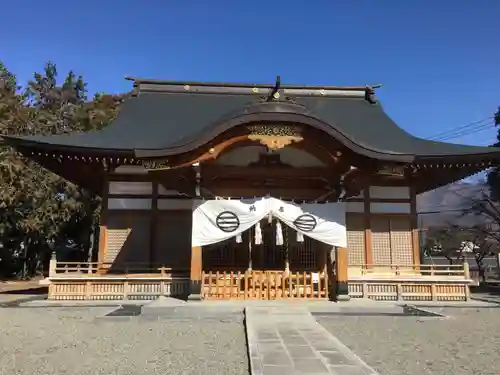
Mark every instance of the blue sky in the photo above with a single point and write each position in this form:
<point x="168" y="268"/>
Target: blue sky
<point x="438" y="61"/>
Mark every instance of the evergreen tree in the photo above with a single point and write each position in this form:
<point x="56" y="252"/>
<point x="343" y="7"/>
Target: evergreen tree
<point x="39" y="208"/>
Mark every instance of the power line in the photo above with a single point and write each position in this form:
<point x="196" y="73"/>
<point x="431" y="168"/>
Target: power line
<point x="467" y="132"/>
<point x="458" y="128"/>
<point x="453" y="130"/>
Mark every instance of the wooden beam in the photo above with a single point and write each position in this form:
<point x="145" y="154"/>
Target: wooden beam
<point x="280" y="192"/>
<point x="270" y="183"/>
<point x="259" y="172"/>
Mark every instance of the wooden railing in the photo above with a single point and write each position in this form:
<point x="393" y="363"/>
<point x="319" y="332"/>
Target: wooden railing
<point x="61" y="269"/>
<point x="103" y="281"/>
<point x="391" y="270"/>
<point x="264" y="285"/>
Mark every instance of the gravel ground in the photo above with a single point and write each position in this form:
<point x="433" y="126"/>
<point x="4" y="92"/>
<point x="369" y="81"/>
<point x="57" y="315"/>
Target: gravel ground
<point x="72" y="341"/>
<point x="468" y="342"/>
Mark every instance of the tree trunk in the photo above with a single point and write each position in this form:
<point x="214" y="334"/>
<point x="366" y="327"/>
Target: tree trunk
<point x="480" y="267"/>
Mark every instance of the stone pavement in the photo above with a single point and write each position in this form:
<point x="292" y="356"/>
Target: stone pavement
<point x="290" y="341"/>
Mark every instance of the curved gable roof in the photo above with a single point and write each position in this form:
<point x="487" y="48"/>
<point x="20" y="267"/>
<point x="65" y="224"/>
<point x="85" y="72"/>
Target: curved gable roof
<point x="164" y="122"/>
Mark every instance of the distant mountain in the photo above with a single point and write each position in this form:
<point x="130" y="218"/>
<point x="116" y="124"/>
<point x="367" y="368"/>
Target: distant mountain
<point x="445" y="205"/>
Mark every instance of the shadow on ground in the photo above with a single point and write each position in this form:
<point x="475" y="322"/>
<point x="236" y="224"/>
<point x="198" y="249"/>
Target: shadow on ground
<point x="487" y="292"/>
<point x="486" y="288"/>
<point x="27" y="291"/>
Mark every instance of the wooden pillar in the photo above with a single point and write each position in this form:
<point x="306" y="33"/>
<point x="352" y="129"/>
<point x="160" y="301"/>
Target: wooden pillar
<point x="153" y="225"/>
<point x="368" y="230"/>
<point x="415" y="233"/>
<point x="103" y="227"/>
<point x="324" y="267"/>
<point x="195" y="273"/>
<point x="53" y="265"/>
<point x="341" y="270"/>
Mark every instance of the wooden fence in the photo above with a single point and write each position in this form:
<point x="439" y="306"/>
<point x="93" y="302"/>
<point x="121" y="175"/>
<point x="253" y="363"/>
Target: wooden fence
<point x="426" y="282"/>
<point x="99" y="281"/>
<point x="393" y="290"/>
<point x="264" y="285"/>
<point x="426" y="270"/>
<point x="96" y="281"/>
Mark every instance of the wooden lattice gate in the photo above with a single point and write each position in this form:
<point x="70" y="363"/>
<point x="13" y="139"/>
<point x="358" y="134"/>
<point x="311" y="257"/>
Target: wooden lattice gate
<point x="242" y="270"/>
<point x="264" y="285"/>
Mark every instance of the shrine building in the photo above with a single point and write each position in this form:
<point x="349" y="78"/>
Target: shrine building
<point x="246" y="191"/>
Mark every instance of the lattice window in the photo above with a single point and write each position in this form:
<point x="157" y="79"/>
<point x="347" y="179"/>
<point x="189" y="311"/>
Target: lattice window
<point x="116" y="239"/>
<point x="381" y="240"/>
<point x="401" y="240"/>
<point x="228" y="255"/>
<point x="127" y="238"/>
<point x="302" y="255"/>
<point x="355" y="239"/>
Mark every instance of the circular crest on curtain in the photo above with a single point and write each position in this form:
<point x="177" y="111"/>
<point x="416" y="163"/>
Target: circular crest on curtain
<point x="227" y="221"/>
<point x="305" y="223"/>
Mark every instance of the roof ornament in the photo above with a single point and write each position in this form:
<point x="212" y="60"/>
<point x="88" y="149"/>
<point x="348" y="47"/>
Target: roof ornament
<point x="370" y="95"/>
<point x="274" y="92"/>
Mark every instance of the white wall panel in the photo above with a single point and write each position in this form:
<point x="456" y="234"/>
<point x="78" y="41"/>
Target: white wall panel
<point x="390" y="208"/>
<point x="163" y="191"/>
<point x="130" y="169"/>
<point x="129" y="204"/>
<point x="130" y="187"/>
<point x="175" y="204"/>
<point x="390" y="192"/>
<point x="355" y="207"/>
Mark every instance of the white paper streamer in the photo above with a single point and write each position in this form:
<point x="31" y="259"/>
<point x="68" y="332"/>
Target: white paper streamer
<point x="300" y="237"/>
<point x="279" y="234"/>
<point x="258" y="234"/>
<point x="238" y="238"/>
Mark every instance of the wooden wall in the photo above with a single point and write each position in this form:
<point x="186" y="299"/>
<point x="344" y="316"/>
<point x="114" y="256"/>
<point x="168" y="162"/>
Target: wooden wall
<point x="144" y="223"/>
<point x="381" y="226"/>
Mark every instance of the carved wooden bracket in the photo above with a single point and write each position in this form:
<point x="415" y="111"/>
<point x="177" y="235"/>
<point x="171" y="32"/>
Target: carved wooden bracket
<point x="391" y="170"/>
<point x="274" y="137"/>
<point x="155" y="164"/>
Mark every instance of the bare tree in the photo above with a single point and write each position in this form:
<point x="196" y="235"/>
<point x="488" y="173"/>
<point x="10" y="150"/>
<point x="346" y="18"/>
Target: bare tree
<point x="486" y="233"/>
<point x="449" y="242"/>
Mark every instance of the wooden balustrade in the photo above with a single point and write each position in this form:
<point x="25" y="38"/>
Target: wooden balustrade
<point x="61" y="269"/>
<point x="138" y="281"/>
<point x="397" y="290"/>
<point x="87" y="281"/>
<point x="433" y="270"/>
<point x="264" y="285"/>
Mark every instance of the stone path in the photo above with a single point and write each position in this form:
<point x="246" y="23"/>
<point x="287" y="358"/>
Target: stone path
<point x="290" y="341"/>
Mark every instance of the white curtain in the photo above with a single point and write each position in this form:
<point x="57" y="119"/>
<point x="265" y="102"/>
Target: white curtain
<point x="218" y="220"/>
<point x="324" y="222"/>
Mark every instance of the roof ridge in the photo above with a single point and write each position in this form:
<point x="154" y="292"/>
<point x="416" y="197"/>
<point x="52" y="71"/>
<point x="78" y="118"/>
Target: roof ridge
<point x="138" y="81"/>
<point x="275" y="91"/>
